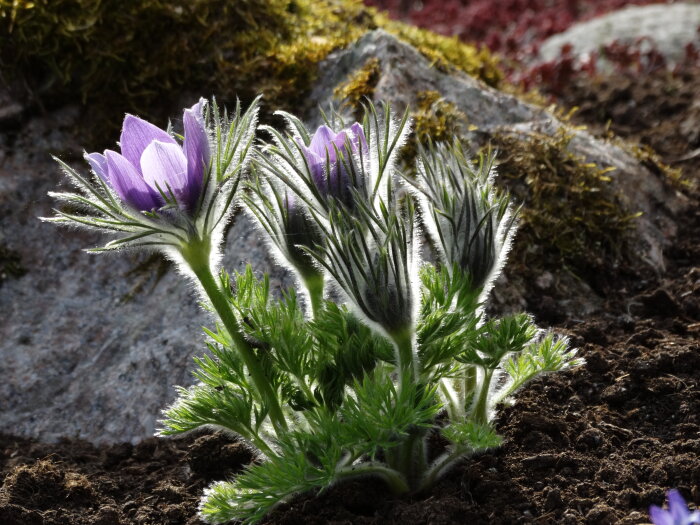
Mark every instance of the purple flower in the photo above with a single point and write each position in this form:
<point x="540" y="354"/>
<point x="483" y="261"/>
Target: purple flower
<point x="324" y="148"/>
<point x="152" y="163"/>
<point x="677" y="513"/>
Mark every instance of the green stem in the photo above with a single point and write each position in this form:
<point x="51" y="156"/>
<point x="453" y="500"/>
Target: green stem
<point x="413" y="456"/>
<point x="440" y="466"/>
<point x="455" y="409"/>
<point x="469" y="385"/>
<point x="407" y="362"/>
<point x="314" y="286"/>
<point x="196" y="254"/>
<point x="480" y="409"/>
<point x="397" y="483"/>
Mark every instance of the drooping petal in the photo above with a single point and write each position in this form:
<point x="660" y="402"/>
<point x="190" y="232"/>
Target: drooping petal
<point x="660" y="516"/>
<point x="98" y="163"/>
<point x="164" y="168"/>
<point x="196" y="148"/>
<point x="129" y="184"/>
<point x="136" y="136"/>
<point x="694" y="517"/>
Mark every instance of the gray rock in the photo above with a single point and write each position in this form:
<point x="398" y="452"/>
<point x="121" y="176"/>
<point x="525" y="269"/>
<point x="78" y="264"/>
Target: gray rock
<point x="666" y="27"/>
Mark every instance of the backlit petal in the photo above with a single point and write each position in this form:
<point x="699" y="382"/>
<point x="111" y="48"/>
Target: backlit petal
<point x="196" y="148"/>
<point x="136" y="136"/>
<point x="358" y="138"/>
<point x="322" y="140"/>
<point x="316" y="165"/>
<point x="164" y="168"/>
<point x="677" y="506"/>
<point x="128" y="184"/>
<point x="98" y="163"/>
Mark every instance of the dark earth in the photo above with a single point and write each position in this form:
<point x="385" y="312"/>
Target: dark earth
<point x="594" y="445"/>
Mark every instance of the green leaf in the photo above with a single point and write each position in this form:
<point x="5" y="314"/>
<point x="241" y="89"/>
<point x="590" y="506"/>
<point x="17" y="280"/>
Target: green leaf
<point x="550" y="354"/>
<point x="471" y="436"/>
<point x="348" y="349"/>
<point x="498" y="338"/>
<point x="380" y="414"/>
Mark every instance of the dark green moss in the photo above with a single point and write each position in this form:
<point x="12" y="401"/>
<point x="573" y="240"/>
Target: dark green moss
<point x="571" y="215"/>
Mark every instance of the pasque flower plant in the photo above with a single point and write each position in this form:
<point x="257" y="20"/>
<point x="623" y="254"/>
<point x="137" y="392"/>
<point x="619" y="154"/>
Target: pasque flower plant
<point x="349" y="381"/>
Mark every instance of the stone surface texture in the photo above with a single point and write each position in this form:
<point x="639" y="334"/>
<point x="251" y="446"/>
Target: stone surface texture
<point x="85" y="354"/>
<point x="666" y="27"/>
<point x="405" y="73"/>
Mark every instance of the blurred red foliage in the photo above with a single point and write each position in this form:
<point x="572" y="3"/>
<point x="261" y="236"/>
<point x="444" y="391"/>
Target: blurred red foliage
<point x="515" y="29"/>
<point x="511" y="27"/>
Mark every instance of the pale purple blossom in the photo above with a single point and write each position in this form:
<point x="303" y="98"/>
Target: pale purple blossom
<point x="322" y="153"/>
<point x="152" y="164"/>
<point x="677" y="513"/>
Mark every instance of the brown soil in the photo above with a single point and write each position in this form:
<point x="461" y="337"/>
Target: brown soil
<point x="595" y="445"/>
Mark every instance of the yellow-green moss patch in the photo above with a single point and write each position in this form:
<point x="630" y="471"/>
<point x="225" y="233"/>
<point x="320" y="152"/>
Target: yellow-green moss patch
<point x="571" y="215"/>
<point x="359" y="86"/>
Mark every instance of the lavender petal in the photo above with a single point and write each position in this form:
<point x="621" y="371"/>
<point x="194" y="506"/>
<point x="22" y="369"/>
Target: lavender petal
<point x="196" y="146"/>
<point x="677" y="506"/>
<point x="660" y="516"/>
<point x="136" y="135"/>
<point x="358" y="138"/>
<point x="321" y="142"/>
<point x="98" y="163"/>
<point x="316" y="167"/>
<point x="164" y="168"/>
<point x="128" y="183"/>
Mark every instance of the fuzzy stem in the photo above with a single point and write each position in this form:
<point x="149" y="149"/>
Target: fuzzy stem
<point x="196" y="254"/>
<point x="469" y="385"/>
<point x="440" y="467"/>
<point x="407" y="362"/>
<point x="412" y="453"/>
<point x="396" y="481"/>
<point x="455" y="410"/>
<point x="481" y="407"/>
<point x="314" y="286"/>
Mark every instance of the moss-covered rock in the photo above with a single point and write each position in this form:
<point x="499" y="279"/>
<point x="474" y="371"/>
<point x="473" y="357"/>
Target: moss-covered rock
<point x="571" y="214"/>
<point x="138" y="55"/>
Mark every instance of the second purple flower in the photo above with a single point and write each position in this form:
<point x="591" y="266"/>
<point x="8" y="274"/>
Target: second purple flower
<point x="329" y="155"/>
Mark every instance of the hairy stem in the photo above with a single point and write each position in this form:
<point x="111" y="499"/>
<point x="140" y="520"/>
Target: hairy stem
<point x="407" y="359"/>
<point x="314" y="286"/>
<point x="480" y="414"/>
<point x="440" y="466"/>
<point x="396" y="481"/>
<point x="196" y="254"/>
